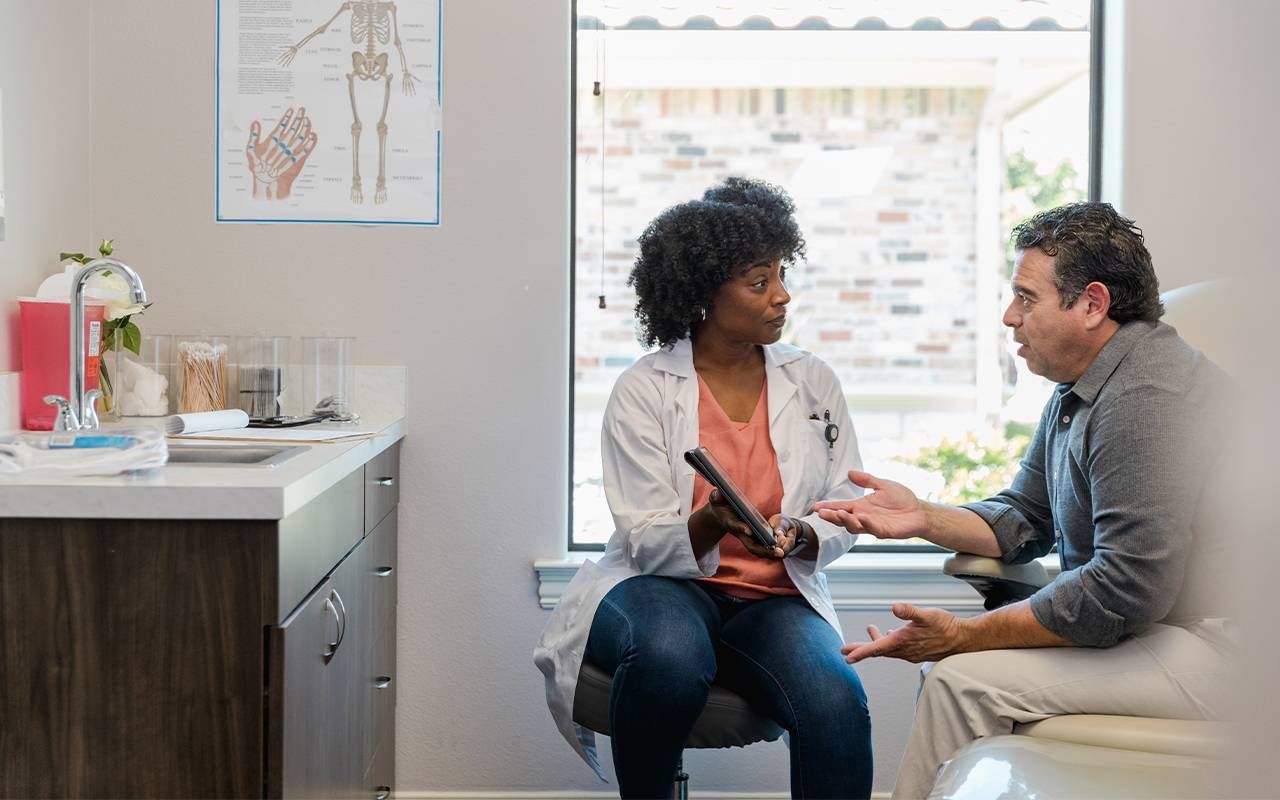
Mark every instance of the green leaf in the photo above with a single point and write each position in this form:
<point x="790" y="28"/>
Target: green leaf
<point x="133" y="338"/>
<point x="77" y="257"/>
<point x="109" y="339"/>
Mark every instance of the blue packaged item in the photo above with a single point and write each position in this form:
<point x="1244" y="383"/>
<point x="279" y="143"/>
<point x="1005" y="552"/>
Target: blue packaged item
<point x="78" y="441"/>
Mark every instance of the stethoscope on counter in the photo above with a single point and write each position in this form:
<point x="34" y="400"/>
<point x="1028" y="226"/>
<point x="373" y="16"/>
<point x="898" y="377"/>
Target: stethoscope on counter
<point x="831" y="432"/>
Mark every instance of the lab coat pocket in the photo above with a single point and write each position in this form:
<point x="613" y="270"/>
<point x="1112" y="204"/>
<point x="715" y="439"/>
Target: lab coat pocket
<point x="816" y="457"/>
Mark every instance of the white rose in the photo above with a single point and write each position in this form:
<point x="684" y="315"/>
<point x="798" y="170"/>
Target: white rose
<point x="113" y="290"/>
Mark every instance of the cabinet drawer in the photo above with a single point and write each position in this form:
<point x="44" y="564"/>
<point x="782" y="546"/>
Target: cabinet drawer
<point x="314" y="538"/>
<point x="384" y="716"/>
<point x="382" y="548"/>
<point x="381" y="486"/>
<point x="382" y="674"/>
<point x="379" y="781"/>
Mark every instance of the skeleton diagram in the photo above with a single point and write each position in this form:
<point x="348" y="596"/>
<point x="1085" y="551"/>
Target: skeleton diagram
<point x="373" y="23"/>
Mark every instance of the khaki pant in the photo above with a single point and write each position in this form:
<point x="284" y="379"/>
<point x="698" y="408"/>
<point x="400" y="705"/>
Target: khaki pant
<point x="1167" y="671"/>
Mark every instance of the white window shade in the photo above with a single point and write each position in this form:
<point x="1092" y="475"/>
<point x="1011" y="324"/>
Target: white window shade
<point x="851" y="59"/>
<point x="894" y="14"/>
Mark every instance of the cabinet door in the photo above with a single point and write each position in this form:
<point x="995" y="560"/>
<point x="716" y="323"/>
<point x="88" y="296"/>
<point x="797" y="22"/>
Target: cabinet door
<point x="319" y="655"/>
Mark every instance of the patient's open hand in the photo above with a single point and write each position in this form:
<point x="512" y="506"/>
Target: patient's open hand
<point x="929" y="635"/>
<point x="891" y="511"/>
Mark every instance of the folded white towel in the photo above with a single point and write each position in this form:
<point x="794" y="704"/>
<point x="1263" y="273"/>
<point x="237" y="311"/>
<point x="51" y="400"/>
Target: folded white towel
<point x="50" y="454"/>
<point x="202" y="421"/>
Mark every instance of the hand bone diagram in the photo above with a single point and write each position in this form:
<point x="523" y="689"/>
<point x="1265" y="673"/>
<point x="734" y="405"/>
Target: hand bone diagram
<point x="275" y="160"/>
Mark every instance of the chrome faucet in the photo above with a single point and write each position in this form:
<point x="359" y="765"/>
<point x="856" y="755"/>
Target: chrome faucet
<point x="76" y="411"/>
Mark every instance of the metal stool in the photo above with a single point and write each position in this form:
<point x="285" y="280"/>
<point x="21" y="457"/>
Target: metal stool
<point x="726" y="721"/>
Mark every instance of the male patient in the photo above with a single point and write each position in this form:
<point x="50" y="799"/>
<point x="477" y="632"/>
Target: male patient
<point x="1116" y="476"/>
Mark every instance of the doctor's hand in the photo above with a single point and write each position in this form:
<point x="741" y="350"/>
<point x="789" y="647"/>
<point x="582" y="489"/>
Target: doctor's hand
<point x="723" y="518"/>
<point x="929" y="635"/>
<point x="891" y="511"/>
<point x="795" y="537"/>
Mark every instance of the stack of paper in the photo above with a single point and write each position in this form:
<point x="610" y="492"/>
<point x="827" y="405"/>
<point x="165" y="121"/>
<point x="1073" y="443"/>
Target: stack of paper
<point x="306" y="435"/>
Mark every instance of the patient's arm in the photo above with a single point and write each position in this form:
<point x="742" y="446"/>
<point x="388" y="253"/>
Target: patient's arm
<point x="932" y="634"/>
<point x="892" y="511"/>
<point x="1011" y="626"/>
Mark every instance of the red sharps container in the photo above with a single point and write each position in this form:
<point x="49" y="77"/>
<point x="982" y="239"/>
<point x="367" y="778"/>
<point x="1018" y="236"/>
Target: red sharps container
<point x="46" y="361"/>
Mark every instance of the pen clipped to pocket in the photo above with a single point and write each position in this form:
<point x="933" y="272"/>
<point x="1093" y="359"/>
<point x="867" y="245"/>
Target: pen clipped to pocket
<point x="830" y="432"/>
<point x="713" y="473"/>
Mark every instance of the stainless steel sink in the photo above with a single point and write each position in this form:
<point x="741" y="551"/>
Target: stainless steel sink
<point x="231" y="455"/>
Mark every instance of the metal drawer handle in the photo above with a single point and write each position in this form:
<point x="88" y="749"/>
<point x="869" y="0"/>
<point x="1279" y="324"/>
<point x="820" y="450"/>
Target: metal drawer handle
<point x="385" y="481"/>
<point x="342" y="631"/>
<point x="382" y="681"/>
<point x="383" y="793"/>
<point x="383" y="572"/>
<point x="332" y="647"/>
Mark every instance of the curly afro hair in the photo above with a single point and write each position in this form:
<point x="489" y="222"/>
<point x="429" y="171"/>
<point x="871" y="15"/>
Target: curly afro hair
<point x="688" y="251"/>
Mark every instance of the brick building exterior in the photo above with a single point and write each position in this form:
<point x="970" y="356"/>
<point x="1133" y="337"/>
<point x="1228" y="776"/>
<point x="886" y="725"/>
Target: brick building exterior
<point x="887" y="295"/>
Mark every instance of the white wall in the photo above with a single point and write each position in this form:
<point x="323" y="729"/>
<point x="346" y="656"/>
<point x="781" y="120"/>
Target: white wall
<point x="1201" y="120"/>
<point x="1202" y="176"/>
<point x="478" y="308"/>
<point x="47" y="117"/>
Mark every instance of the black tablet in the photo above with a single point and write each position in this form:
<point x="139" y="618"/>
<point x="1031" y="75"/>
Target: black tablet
<point x="712" y="472"/>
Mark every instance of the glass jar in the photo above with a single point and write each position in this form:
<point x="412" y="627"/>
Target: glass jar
<point x="142" y="379"/>
<point x="200" y="372"/>
<point x="326" y="384"/>
<point x="261" y="375"/>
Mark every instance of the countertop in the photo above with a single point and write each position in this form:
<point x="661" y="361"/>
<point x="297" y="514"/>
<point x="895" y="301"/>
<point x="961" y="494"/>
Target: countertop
<point x="201" y="492"/>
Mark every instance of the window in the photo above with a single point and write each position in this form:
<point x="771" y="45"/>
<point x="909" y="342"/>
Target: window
<point x="911" y="143"/>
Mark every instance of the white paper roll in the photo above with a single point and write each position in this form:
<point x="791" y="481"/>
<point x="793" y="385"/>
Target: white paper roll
<point x="202" y="421"/>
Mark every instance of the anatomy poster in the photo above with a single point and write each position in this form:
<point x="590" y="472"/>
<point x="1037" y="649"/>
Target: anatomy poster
<point x="329" y="111"/>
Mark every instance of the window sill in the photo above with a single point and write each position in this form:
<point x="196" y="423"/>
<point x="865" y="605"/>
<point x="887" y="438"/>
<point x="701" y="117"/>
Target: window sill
<point x="858" y="581"/>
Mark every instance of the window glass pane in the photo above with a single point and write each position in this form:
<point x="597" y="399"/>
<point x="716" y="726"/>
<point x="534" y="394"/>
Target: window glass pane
<point x="910" y="148"/>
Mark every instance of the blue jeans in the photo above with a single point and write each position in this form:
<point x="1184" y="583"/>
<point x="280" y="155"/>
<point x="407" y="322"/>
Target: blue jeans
<point x="665" y="640"/>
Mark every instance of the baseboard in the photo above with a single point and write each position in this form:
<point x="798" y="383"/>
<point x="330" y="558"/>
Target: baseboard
<point x="516" y="795"/>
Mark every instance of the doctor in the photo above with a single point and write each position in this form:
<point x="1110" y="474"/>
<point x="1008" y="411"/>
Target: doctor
<point x="683" y="594"/>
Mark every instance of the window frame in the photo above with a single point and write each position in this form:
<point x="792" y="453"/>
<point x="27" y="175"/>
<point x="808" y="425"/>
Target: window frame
<point x="1096" y="15"/>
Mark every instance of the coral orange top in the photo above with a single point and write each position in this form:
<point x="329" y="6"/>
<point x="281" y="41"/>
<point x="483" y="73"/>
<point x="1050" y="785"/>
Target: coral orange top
<point x="746" y="452"/>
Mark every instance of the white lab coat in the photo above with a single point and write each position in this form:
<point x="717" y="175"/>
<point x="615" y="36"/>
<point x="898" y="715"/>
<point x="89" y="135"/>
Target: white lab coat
<point x="650" y="421"/>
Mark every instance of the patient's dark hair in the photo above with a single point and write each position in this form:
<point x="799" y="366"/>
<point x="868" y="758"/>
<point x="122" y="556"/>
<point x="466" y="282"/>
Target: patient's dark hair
<point x="688" y="251"/>
<point x="1091" y="242"/>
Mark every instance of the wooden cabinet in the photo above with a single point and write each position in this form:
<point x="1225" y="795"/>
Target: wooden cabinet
<point x="188" y="658"/>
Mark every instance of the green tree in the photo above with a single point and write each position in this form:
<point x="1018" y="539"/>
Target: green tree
<point x="1045" y="189"/>
<point x="1030" y="189"/>
<point x="975" y="467"/>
